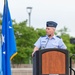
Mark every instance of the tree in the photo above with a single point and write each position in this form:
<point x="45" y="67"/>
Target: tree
<point x="25" y="38"/>
<point x="66" y="38"/>
<point x="0" y="18"/>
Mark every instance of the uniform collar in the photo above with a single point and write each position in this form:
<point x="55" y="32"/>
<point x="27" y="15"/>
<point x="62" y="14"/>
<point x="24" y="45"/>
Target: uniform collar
<point x="51" y="38"/>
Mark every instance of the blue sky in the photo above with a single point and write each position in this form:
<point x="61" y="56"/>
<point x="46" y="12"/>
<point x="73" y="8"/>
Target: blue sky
<point x="61" y="11"/>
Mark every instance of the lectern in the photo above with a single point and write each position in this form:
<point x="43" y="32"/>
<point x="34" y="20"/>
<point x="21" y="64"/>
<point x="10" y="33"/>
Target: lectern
<point x="51" y="61"/>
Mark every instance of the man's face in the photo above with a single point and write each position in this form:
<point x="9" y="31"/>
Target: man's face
<point x="50" y="30"/>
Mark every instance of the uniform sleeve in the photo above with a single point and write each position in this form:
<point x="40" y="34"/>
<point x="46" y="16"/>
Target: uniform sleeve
<point x="38" y="43"/>
<point x="62" y="45"/>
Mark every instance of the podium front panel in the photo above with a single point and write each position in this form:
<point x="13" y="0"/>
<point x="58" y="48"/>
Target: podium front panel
<point x="53" y="62"/>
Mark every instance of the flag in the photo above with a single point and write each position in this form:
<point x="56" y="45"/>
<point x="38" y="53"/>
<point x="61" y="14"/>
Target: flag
<point x="8" y="40"/>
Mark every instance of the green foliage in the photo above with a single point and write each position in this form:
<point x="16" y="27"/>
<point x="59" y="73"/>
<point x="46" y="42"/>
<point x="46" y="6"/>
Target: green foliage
<point x="0" y="18"/>
<point x="66" y="38"/>
<point x="0" y="22"/>
<point x="25" y="39"/>
<point x="41" y="32"/>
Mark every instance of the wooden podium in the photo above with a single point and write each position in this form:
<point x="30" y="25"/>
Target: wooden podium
<point x="51" y="61"/>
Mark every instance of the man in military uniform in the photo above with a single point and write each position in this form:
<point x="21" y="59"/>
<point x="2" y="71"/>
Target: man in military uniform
<point x="50" y="40"/>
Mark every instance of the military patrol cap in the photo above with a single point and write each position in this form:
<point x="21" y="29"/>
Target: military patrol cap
<point x="51" y="24"/>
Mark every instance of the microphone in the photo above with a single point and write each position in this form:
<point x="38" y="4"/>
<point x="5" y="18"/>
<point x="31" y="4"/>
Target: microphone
<point x="47" y="41"/>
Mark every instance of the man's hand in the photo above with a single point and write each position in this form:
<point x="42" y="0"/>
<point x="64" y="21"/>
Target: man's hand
<point x="33" y="53"/>
<point x="35" y="49"/>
